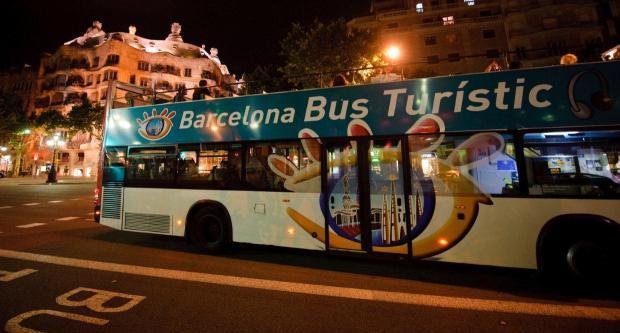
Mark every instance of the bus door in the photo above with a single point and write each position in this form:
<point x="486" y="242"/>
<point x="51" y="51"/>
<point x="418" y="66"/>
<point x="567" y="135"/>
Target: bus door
<point x="365" y="197"/>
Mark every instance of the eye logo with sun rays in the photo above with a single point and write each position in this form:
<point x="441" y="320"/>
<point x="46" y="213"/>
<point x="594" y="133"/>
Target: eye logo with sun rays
<point x="156" y="126"/>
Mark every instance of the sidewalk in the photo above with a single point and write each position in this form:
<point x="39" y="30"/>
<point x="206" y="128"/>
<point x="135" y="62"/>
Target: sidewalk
<point x="30" y="180"/>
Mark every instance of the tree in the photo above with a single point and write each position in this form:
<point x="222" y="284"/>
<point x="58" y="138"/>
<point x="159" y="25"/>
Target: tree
<point x="14" y="127"/>
<point x="85" y="117"/>
<point x="265" y="79"/>
<point x="327" y="48"/>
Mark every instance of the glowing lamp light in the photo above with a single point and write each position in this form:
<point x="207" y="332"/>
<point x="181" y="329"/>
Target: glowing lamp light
<point x="253" y="125"/>
<point x="3" y="148"/>
<point x="290" y="231"/>
<point x="393" y="52"/>
<point x="214" y="128"/>
<point x="443" y="242"/>
<point x="179" y="222"/>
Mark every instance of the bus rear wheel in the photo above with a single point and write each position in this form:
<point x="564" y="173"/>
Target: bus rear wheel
<point x="580" y="259"/>
<point x="209" y="230"/>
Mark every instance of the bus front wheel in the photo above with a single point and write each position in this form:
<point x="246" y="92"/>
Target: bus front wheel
<point x="209" y="230"/>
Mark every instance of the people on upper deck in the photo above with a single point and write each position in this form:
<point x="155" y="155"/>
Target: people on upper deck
<point x="202" y="91"/>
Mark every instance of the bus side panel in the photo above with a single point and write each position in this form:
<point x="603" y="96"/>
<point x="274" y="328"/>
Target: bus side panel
<point x="257" y="217"/>
<point x="505" y="233"/>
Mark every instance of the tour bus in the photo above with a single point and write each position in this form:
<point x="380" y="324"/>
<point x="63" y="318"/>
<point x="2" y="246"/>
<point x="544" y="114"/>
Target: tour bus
<point x="513" y="168"/>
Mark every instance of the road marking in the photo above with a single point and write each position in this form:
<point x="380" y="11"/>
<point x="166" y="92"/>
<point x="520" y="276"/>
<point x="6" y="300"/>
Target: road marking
<point x="76" y="199"/>
<point x="31" y="204"/>
<point x="31" y="225"/>
<point x="5" y="207"/>
<point x="55" y="201"/>
<point x="472" y="304"/>
<point x="68" y="218"/>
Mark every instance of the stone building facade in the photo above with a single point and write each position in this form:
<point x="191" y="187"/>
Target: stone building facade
<point x="443" y="37"/>
<point x="86" y="65"/>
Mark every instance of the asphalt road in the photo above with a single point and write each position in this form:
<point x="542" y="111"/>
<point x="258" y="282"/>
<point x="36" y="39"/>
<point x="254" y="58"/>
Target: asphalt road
<point x="61" y="272"/>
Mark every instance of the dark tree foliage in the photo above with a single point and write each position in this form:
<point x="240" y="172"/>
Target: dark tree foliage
<point x="328" y="49"/>
<point x="13" y="119"/>
<point x="85" y="117"/>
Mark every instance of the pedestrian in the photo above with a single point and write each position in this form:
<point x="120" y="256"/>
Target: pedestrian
<point x="202" y="91"/>
<point x="339" y="80"/>
<point x="180" y="96"/>
<point x="568" y="59"/>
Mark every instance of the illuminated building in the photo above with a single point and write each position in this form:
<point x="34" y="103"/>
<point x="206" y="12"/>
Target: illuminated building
<point x="86" y="64"/>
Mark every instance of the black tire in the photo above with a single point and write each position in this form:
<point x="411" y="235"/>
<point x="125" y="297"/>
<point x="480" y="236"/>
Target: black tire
<point x="575" y="258"/>
<point x="210" y="230"/>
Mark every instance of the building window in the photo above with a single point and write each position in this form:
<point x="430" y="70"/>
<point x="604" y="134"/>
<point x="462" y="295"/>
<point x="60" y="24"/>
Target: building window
<point x="95" y="61"/>
<point x="188" y="72"/>
<point x="419" y="7"/>
<point x="143" y="66"/>
<point x="432" y="59"/>
<point x="493" y="53"/>
<point x="454" y="57"/>
<point x="470" y="2"/>
<point x="112" y="59"/>
<point x="490" y="33"/>
<point x="61" y="80"/>
<point x="98" y="78"/>
<point x="550" y="23"/>
<point x="132" y="79"/>
<point x="80" y="157"/>
<point x="89" y="80"/>
<point x="451" y="38"/>
<point x="430" y="40"/>
<point x="110" y="75"/>
<point x="447" y="20"/>
<point x="144" y="82"/>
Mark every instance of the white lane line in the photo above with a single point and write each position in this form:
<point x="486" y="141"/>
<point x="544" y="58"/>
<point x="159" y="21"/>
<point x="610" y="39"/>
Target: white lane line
<point x="473" y="304"/>
<point x="54" y="201"/>
<point x="31" y="204"/>
<point x="76" y="199"/>
<point x="68" y="218"/>
<point x="5" y="207"/>
<point x="31" y="225"/>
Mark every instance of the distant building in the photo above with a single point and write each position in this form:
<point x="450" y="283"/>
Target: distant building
<point x="20" y="82"/>
<point x="442" y="37"/>
<point x="439" y="37"/>
<point x="86" y="64"/>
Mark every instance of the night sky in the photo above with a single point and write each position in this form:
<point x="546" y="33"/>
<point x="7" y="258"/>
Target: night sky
<point x="247" y="33"/>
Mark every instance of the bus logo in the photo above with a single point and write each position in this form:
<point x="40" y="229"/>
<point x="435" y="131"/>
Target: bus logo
<point x="155" y="126"/>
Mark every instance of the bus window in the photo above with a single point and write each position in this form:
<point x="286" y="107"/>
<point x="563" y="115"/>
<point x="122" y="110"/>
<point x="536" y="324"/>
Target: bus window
<point x="210" y="166"/>
<point x="462" y="164"/>
<point x="573" y="163"/>
<point x="114" y="164"/>
<point x="151" y="165"/>
<point x="281" y="166"/>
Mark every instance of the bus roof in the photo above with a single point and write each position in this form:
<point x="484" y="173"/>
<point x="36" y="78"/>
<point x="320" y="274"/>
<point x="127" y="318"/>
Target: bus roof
<point x="549" y="97"/>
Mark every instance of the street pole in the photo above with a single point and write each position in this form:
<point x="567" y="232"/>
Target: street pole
<point x="51" y="176"/>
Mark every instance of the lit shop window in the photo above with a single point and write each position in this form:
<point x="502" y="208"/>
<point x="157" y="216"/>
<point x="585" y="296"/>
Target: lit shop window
<point x="470" y="2"/>
<point x="419" y="8"/>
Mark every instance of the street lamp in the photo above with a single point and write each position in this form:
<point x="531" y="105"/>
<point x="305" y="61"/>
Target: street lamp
<point x="54" y="143"/>
<point x="393" y="53"/>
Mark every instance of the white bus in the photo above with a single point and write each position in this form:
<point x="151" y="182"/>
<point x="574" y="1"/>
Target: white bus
<point x="514" y="168"/>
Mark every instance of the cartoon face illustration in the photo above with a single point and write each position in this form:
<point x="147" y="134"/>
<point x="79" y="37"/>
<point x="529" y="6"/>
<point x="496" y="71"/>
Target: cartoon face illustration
<point x="155" y="126"/>
<point x="340" y="204"/>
